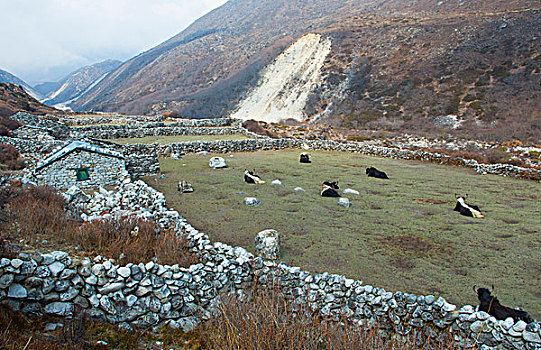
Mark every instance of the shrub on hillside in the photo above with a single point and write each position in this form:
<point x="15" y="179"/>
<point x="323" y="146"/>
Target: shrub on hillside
<point x="39" y="213"/>
<point x="253" y="126"/>
<point x="131" y="239"/>
<point x="172" y="115"/>
<point x="10" y="157"/>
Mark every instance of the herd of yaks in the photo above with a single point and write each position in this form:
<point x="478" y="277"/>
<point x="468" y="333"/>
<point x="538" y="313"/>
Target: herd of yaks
<point x="329" y="188"/>
<point x="488" y="303"/>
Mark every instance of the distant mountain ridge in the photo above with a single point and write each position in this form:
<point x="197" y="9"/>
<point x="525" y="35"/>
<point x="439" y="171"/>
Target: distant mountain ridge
<point x="76" y="83"/>
<point x="8" y="78"/>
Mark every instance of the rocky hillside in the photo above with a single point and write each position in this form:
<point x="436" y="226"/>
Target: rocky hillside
<point x="8" y="78"/>
<point x="14" y="98"/>
<point x="71" y="87"/>
<point x="428" y="67"/>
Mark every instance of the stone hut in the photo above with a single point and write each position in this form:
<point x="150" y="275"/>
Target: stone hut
<point x="81" y="164"/>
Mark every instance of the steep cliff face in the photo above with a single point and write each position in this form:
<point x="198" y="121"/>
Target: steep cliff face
<point x="286" y="84"/>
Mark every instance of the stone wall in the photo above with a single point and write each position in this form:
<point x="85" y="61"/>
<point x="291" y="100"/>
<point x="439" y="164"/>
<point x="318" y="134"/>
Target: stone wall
<point x="148" y="294"/>
<point x="39" y="145"/>
<point x="252" y="145"/>
<point x="103" y="170"/>
<point x="51" y="123"/>
<point x="115" y="132"/>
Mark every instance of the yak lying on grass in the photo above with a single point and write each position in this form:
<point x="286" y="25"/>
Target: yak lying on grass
<point x="305" y="158"/>
<point x="252" y="178"/>
<point x="491" y="305"/>
<point x="328" y="189"/>
<point x="184" y="187"/>
<point x="467" y="209"/>
<point x="373" y="172"/>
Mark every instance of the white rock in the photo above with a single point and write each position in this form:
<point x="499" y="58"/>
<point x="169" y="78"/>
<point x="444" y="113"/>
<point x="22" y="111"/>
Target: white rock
<point x="519" y="326"/>
<point x="56" y="268"/>
<point x="350" y="191"/>
<point x="508" y="323"/>
<point x="252" y="201"/>
<point x="448" y="307"/>
<point x="17" y="291"/>
<point x="345" y="202"/>
<point x="16" y="263"/>
<point x="277" y="183"/>
<point x="300" y="189"/>
<point x="217" y="162"/>
<point x="267" y="244"/>
<point x="124" y="271"/>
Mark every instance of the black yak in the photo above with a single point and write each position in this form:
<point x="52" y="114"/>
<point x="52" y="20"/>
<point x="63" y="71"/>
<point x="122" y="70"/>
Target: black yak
<point x="467" y="209"/>
<point x="305" y="158"/>
<point x="251" y="178"/>
<point x="491" y="305"/>
<point x="373" y="172"/>
<point x="328" y="189"/>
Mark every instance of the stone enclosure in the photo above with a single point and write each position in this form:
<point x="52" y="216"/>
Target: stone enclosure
<point x="148" y="294"/>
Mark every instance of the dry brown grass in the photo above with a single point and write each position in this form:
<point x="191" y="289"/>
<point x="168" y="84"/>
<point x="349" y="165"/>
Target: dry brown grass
<point x="20" y="332"/>
<point x="38" y="214"/>
<point x="266" y="320"/>
<point x="133" y="240"/>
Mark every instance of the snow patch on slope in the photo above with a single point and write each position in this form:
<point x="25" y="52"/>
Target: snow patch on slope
<point x="285" y="85"/>
<point x="65" y="105"/>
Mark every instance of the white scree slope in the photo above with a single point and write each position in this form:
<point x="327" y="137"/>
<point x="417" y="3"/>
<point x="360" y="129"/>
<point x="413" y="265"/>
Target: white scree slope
<point x="285" y="85"/>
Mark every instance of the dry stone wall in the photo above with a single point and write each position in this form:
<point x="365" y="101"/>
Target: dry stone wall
<point x="139" y="132"/>
<point x="221" y="126"/>
<point x="252" y="145"/>
<point x="149" y="294"/>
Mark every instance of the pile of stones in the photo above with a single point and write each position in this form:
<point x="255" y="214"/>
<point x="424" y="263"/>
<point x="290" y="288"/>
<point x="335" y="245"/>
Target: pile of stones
<point x="131" y="198"/>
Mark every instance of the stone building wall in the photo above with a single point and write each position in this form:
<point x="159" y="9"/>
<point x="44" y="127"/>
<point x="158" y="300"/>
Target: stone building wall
<point x="103" y="170"/>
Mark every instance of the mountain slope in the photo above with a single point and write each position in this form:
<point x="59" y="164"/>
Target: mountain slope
<point x="286" y="84"/>
<point x="214" y="60"/>
<point x="13" y="99"/>
<point x="394" y="65"/>
<point x="8" y="78"/>
<point x="75" y="83"/>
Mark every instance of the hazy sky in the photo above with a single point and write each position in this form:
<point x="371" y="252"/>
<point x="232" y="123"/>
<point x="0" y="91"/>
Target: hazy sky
<point x="42" y="40"/>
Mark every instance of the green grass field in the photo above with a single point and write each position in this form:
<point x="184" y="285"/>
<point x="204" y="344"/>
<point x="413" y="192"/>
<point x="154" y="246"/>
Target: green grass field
<point x="180" y="138"/>
<point x="399" y="234"/>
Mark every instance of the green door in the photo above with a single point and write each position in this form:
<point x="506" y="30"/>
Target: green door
<point x="82" y="174"/>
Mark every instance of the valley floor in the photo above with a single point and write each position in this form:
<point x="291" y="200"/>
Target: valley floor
<point x="400" y="234"/>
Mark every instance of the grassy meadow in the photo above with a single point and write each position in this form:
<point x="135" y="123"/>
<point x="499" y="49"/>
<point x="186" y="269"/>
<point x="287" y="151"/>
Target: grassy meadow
<point x="399" y="234"/>
<point x="179" y="138"/>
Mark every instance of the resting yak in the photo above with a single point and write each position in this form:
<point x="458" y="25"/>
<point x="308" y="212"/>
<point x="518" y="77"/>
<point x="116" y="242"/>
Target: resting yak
<point x="305" y="158"/>
<point x="491" y="305"/>
<point x="251" y="178"/>
<point x="184" y="187"/>
<point x="373" y="172"/>
<point x="328" y="189"/>
<point x="467" y="209"/>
